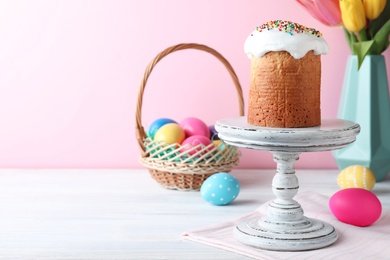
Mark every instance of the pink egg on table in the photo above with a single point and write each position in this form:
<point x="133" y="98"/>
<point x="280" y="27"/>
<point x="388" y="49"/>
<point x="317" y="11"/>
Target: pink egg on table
<point x="355" y="206"/>
<point x="193" y="141"/>
<point x="194" y="126"/>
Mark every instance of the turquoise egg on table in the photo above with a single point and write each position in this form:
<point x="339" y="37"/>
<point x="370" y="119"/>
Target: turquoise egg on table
<point x="157" y="124"/>
<point x="220" y="189"/>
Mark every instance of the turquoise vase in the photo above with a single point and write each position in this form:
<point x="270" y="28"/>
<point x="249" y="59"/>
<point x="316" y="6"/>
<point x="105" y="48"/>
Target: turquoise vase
<point x="365" y="100"/>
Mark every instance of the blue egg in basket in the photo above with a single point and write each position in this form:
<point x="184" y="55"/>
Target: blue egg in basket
<point x="157" y="124"/>
<point x="220" y="189"/>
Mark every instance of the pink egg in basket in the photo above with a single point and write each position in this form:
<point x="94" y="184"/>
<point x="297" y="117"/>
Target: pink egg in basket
<point x="193" y="141"/>
<point x="194" y="126"/>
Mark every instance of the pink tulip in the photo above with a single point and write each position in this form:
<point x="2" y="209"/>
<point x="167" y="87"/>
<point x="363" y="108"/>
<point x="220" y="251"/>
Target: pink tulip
<point x="325" y="11"/>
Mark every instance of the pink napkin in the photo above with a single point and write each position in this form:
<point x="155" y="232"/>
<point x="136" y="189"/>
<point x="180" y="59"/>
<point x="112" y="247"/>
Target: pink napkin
<point x="371" y="242"/>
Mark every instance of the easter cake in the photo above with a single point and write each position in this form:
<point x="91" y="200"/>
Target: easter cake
<point x="285" y="75"/>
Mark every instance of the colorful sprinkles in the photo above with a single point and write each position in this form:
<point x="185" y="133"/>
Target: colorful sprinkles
<point x="288" y="27"/>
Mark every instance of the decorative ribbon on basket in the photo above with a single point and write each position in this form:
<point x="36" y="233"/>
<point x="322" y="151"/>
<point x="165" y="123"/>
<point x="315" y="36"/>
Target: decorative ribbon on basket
<point x="170" y="165"/>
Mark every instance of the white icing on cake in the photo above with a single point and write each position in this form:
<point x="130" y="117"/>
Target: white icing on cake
<point x="297" y="43"/>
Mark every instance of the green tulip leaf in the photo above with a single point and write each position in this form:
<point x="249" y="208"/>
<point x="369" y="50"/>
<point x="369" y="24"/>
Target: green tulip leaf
<point x="350" y="37"/>
<point x="382" y="39"/>
<point x="376" y="24"/>
<point x="361" y="49"/>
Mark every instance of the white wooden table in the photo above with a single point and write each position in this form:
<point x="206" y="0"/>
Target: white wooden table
<point x="124" y="214"/>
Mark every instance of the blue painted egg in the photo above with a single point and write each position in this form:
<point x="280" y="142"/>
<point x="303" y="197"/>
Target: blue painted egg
<point x="157" y="124"/>
<point x="220" y="189"/>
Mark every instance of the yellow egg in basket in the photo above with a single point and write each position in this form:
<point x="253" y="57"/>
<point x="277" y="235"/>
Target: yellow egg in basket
<point x="356" y="176"/>
<point x="170" y="134"/>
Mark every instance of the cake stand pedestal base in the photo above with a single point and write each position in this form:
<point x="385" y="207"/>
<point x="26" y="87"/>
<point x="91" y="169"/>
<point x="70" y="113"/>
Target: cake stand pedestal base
<point x="284" y="227"/>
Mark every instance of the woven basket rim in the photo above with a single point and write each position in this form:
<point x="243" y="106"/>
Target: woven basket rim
<point x="206" y="159"/>
<point x="140" y="131"/>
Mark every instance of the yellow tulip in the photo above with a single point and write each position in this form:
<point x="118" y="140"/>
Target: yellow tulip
<point x="373" y="8"/>
<point x="353" y="15"/>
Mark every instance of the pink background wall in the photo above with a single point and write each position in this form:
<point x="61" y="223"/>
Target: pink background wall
<point x="70" y="72"/>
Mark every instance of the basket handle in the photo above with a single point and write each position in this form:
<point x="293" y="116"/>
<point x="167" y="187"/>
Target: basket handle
<point x="140" y="132"/>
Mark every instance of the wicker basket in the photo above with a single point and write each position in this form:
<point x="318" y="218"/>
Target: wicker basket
<point x="169" y="165"/>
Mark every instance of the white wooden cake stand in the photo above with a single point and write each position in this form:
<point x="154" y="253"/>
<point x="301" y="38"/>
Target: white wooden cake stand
<point x="284" y="227"/>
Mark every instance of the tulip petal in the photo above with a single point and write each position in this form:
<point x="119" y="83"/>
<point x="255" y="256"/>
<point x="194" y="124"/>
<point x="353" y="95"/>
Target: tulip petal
<point x="377" y="24"/>
<point x="311" y="8"/>
<point x="352" y="14"/>
<point x="330" y="10"/>
<point x="325" y="11"/>
<point x="373" y="8"/>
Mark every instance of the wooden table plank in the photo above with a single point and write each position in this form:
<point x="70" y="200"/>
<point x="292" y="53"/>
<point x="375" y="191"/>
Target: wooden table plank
<point x="125" y="214"/>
